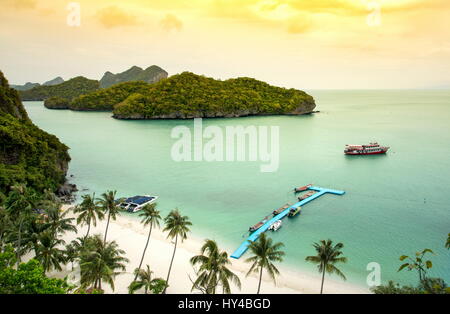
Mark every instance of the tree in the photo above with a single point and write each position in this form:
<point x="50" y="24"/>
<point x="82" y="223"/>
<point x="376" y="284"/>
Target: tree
<point x="417" y="263"/>
<point x="20" y="204"/>
<point x="88" y="212"/>
<point x="58" y="222"/>
<point x="178" y="226"/>
<point x="5" y="227"/>
<point x="28" y="278"/>
<point x="47" y="251"/>
<point x="265" y="252"/>
<point x="447" y="244"/>
<point x="145" y="280"/>
<point x="213" y="270"/>
<point x="100" y="261"/>
<point x="108" y="204"/>
<point x="395" y="288"/>
<point x="150" y="217"/>
<point x="327" y="256"/>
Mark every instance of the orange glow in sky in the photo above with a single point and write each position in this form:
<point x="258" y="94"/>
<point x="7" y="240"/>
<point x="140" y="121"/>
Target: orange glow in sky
<point x="306" y="44"/>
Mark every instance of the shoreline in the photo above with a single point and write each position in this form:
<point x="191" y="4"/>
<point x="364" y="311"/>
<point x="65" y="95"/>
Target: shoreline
<point x="131" y="237"/>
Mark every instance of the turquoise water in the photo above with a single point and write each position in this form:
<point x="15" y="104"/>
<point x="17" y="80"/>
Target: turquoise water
<point x="395" y="204"/>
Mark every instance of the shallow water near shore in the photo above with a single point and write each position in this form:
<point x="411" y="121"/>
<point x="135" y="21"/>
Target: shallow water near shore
<point x="394" y="204"/>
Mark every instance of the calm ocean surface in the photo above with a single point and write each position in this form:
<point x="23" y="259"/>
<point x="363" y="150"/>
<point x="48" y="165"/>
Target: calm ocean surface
<point x="394" y="205"/>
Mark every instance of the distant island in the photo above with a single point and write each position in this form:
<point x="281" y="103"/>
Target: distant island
<point x="188" y="95"/>
<point x="29" y="85"/>
<point x="150" y="75"/>
<point x="60" y="92"/>
<point x="68" y="90"/>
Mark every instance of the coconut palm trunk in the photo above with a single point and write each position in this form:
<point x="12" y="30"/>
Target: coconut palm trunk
<point x="89" y="228"/>
<point x="260" y="279"/>
<point x="19" y="243"/>
<point x="107" y="226"/>
<point x="171" y="262"/>
<point x="143" y="254"/>
<point x="323" y="279"/>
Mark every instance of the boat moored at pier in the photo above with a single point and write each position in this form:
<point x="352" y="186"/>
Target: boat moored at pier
<point x="276" y="225"/>
<point x="259" y="224"/>
<point x="295" y="211"/>
<point x="281" y="209"/>
<point x="302" y="188"/>
<point x="305" y="196"/>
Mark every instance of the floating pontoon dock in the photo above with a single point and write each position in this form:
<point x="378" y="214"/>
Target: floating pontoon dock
<point x="255" y="235"/>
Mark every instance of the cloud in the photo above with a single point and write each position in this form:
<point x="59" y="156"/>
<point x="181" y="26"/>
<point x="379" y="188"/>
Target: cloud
<point x="299" y="25"/>
<point x="113" y="16"/>
<point x="22" y="4"/>
<point x="171" y="22"/>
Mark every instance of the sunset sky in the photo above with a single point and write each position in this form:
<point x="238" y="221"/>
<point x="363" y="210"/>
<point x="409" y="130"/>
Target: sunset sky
<point x="306" y="44"/>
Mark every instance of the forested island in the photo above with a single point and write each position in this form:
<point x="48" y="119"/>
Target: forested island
<point x="67" y="90"/>
<point x="29" y="155"/>
<point x="188" y="95"/>
<point x="58" y="89"/>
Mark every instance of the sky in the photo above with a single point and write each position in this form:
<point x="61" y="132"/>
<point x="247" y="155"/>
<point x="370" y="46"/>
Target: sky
<point x="305" y="44"/>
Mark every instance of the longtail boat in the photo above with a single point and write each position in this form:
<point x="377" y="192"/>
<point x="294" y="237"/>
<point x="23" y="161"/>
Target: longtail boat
<point x="305" y="196"/>
<point x="281" y="209"/>
<point x="259" y="224"/>
<point x="302" y="188"/>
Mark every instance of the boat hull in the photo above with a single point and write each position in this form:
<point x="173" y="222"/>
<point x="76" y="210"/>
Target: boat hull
<point x="362" y="153"/>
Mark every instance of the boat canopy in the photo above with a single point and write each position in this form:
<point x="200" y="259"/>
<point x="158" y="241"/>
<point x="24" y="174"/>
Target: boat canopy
<point x="139" y="200"/>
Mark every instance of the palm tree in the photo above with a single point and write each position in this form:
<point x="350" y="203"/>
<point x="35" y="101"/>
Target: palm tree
<point x="265" y="252"/>
<point x="100" y="261"/>
<point x="213" y="269"/>
<point x="47" y="251"/>
<point x="89" y="212"/>
<point x="57" y="221"/>
<point x="145" y="281"/>
<point x="178" y="226"/>
<point x="20" y="204"/>
<point x="150" y="217"/>
<point x="327" y="256"/>
<point x="5" y="227"/>
<point x="108" y="204"/>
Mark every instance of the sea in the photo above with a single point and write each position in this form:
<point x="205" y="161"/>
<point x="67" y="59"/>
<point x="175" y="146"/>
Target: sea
<point x="395" y="204"/>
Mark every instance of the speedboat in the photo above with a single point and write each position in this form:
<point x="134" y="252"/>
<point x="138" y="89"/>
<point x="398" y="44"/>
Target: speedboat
<point x="136" y="203"/>
<point x="276" y="225"/>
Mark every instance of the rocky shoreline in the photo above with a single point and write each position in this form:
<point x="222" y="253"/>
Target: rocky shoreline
<point x="66" y="192"/>
<point x="181" y="116"/>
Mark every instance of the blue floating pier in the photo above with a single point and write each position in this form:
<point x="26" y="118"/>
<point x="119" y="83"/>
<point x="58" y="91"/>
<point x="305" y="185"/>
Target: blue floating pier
<point x="255" y="235"/>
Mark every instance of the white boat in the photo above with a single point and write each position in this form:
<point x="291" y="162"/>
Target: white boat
<point x="136" y="203"/>
<point x="276" y="225"/>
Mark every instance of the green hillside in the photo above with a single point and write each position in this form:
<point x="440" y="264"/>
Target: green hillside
<point x="28" y="155"/>
<point x="188" y="95"/>
<point x="105" y="99"/>
<point x="68" y="90"/>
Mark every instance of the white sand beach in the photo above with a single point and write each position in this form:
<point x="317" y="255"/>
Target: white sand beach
<point x="131" y="237"/>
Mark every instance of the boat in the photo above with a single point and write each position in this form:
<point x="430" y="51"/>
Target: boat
<point x="371" y="149"/>
<point x="295" y="211"/>
<point x="259" y="224"/>
<point x="276" y="225"/>
<point x="302" y="188"/>
<point x="136" y="203"/>
<point x="281" y="209"/>
<point x="305" y="196"/>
